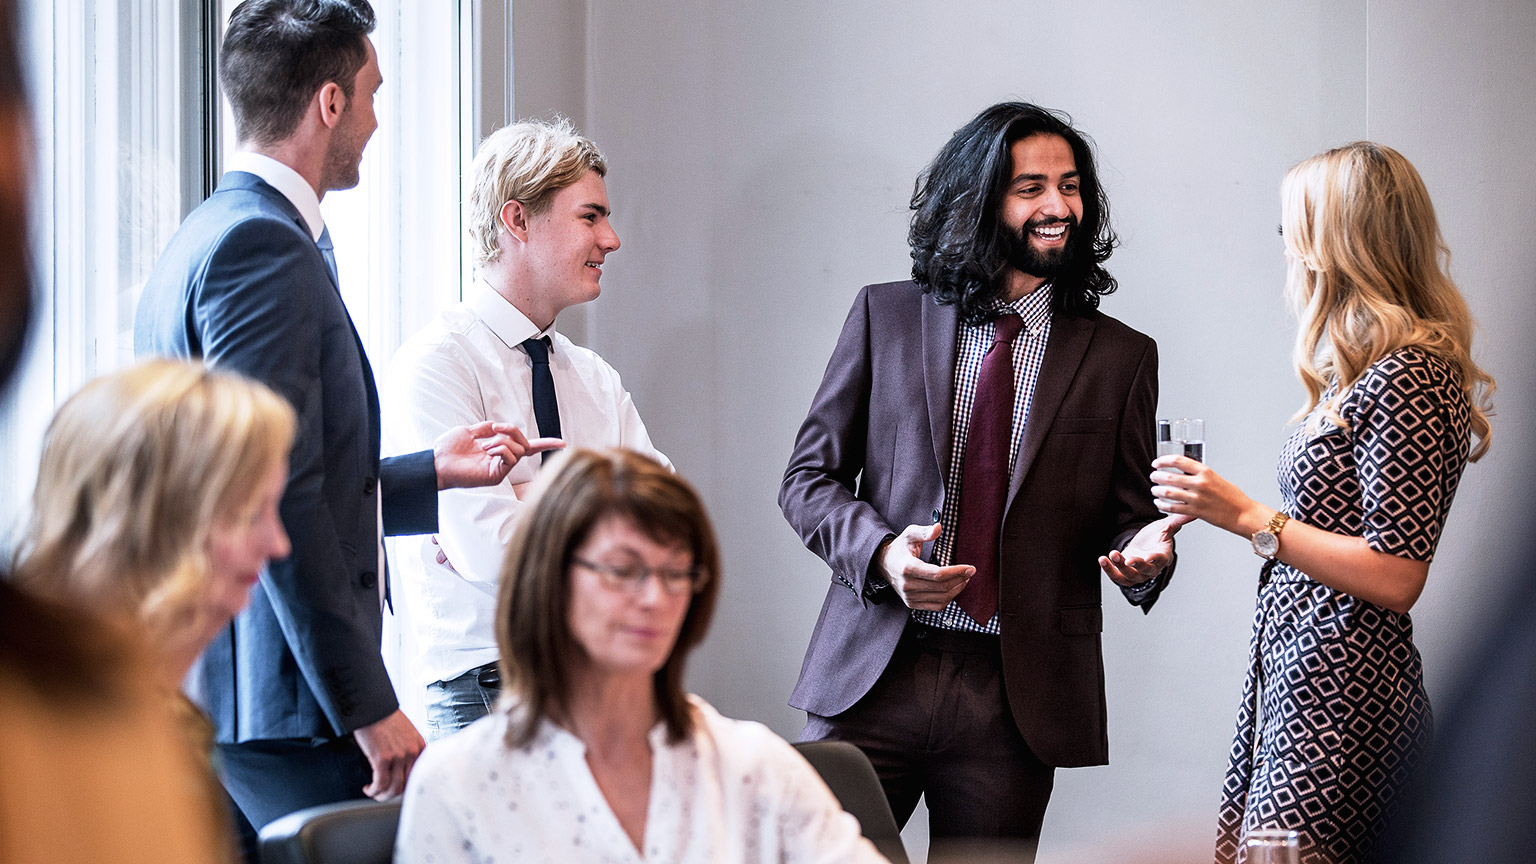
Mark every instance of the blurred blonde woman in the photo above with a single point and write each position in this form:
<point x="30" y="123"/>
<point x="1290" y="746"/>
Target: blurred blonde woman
<point x="156" y="510"/>
<point x="595" y="752"/>
<point x="1334" y="714"/>
<point x="156" y="503"/>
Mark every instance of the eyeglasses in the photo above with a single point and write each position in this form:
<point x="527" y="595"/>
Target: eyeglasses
<point x="630" y="578"/>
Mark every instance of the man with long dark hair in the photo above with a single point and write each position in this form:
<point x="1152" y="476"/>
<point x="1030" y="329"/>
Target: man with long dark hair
<point x="974" y="462"/>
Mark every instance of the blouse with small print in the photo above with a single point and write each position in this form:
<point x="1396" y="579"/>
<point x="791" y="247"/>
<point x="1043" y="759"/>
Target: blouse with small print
<point x="1334" y="714"/>
<point x="731" y="792"/>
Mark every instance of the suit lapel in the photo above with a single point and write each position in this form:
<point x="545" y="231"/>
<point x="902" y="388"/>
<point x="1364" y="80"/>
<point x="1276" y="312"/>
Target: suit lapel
<point x="247" y="181"/>
<point x="1063" y="355"/>
<point x="938" y="323"/>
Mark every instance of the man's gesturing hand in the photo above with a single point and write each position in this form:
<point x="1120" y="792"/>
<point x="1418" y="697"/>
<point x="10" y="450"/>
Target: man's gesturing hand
<point x="921" y="585"/>
<point x="1146" y="555"/>
<point x="482" y="454"/>
<point x="391" y="745"/>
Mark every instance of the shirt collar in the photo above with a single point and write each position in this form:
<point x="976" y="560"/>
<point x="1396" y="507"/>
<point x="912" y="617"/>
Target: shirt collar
<point x="286" y="181"/>
<point x="1034" y="308"/>
<point x="505" y="320"/>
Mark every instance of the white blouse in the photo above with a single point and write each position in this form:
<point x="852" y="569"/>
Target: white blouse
<point x="732" y="792"/>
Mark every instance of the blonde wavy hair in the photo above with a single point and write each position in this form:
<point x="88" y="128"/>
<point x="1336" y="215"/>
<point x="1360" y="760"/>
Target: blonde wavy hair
<point x="137" y="467"/>
<point x="1368" y="274"/>
<point x="527" y="162"/>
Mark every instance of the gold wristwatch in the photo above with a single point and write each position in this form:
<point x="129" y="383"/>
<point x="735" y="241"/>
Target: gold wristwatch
<point x="1266" y="541"/>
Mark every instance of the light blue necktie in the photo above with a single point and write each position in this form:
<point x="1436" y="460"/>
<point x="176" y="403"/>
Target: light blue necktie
<point x="328" y="252"/>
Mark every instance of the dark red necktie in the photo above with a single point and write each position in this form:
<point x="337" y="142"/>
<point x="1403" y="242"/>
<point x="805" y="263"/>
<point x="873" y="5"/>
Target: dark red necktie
<point x="984" y="474"/>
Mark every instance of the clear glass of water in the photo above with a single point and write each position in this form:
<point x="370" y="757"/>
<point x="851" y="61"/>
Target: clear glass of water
<point x="1181" y="437"/>
<point x="1271" y="846"/>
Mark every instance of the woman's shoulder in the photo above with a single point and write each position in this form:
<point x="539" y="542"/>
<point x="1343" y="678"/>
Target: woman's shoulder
<point x="1410" y="367"/>
<point x="747" y="741"/>
<point x="1408" y="379"/>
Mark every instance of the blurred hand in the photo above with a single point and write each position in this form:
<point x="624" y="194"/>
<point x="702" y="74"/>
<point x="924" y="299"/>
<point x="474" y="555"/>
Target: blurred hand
<point x="442" y="557"/>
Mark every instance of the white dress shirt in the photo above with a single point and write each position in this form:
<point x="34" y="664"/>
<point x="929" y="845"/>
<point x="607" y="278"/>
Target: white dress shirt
<point x="732" y="792"/>
<point x="466" y="367"/>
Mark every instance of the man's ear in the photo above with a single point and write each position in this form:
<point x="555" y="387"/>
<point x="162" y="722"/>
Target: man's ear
<point x="514" y="220"/>
<point x="331" y="101"/>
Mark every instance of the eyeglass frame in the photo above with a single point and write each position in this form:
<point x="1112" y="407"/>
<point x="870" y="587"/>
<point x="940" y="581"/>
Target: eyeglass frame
<point x="609" y="573"/>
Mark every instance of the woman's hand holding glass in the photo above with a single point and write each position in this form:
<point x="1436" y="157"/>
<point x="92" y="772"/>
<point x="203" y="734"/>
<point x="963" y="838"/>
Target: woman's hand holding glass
<point x="1200" y="493"/>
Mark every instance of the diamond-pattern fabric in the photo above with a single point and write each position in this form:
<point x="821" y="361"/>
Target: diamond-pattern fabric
<point x="1334" y="716"/>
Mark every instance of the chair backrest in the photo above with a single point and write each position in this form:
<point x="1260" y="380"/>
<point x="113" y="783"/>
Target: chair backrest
<point x="351" y="832"/>
<point x="851" y="777"/>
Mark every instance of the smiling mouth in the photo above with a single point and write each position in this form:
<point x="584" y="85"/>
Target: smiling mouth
<point x="1050" y="233"/>
<point x="596" y="265"/>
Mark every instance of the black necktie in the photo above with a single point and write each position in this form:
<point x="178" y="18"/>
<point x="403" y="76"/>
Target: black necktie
<point x="545" y="409"/>
<point x="328" y="252"/>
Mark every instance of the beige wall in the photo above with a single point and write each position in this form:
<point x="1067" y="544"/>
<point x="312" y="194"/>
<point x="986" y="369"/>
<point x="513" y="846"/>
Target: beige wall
<point x="762" y="156"/>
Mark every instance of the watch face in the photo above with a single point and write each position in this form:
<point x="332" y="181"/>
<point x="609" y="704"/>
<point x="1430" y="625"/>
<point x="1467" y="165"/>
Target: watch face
<point x="1266" y="544"/>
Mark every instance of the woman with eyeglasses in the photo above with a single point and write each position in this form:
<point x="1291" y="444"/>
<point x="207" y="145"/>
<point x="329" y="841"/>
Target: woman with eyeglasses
<point x="595" y="752"/>
<point x="1334" y="716"/>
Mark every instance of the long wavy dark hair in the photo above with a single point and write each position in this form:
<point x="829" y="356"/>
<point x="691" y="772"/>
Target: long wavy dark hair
<point x="959" y="246"/>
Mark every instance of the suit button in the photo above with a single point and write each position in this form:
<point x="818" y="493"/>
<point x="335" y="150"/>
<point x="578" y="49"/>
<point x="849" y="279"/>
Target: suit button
<point x="935" y="515"/>
<point x="369" y="484"/>
<point x="369" y="579"/>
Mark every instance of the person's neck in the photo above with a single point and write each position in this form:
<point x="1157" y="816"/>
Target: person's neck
<point x="176" y="661"/>
<point x="511" y="285"/>
<point x="1019" y="284"/>
<point x="307" y="160"/>
<point x="612" y="714"/>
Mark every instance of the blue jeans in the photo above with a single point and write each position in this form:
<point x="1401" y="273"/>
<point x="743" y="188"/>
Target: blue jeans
<point x="458" y="702"/>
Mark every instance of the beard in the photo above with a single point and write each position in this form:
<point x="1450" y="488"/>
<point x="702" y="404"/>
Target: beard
<point x="1047" y="264"/>
<point x="343" y="161"/>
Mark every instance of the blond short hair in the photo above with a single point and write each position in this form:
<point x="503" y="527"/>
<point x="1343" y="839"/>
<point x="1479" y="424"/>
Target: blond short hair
<point x="137" y="467"/>
<point x="1368" y="275"/>
<point x="527" y="162"/>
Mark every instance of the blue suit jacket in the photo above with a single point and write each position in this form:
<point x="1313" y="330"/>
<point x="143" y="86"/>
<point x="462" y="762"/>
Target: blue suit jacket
<point x="243" y="285"/>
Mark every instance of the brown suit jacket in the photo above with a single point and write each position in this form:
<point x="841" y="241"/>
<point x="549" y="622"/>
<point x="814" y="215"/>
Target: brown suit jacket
<point x="872" y="456"/>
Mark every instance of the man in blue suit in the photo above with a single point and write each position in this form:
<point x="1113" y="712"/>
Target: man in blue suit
<point x="303" y="710"/>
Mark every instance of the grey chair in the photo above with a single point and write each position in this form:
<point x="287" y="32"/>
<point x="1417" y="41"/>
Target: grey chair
<point x="351" y="832"/>
<point x="852" y="779"/>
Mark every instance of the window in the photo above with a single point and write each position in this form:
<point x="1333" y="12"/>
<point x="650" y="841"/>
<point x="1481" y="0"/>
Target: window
<point x="117" y="114"/>
<point x="129" y="140"/>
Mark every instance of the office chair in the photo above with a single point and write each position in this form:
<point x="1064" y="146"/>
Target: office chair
<point x="852" y="779"/>
<point x="350" y="832"/>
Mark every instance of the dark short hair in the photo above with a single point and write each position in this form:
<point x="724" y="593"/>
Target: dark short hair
<point x="958" y="242"/>
<point x="278" y="53"/>
<point x="533" y="601"/>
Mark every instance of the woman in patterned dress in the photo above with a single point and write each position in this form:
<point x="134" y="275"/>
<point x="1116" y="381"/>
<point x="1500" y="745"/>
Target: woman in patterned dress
<point x="1334" y="714"/>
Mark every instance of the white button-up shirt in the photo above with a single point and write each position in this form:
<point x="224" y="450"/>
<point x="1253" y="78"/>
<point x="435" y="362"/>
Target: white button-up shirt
<point x="731" y="792"/>
<point x="466" y="367"/>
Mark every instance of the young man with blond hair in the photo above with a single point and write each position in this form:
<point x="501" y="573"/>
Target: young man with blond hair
<point x="539" y="229"/>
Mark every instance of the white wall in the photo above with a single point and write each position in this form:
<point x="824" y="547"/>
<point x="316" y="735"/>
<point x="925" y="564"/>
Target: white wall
<point x="762" y="156"/>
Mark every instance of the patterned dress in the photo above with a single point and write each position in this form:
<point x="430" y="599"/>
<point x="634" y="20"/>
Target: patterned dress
<point x="1334" y="714"/>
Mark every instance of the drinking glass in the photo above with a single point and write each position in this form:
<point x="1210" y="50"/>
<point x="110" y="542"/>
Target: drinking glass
<point x="1181" y="437"/>
<point x="1271" y="846"/>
